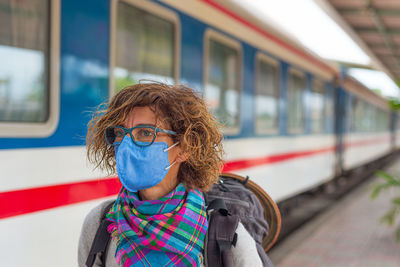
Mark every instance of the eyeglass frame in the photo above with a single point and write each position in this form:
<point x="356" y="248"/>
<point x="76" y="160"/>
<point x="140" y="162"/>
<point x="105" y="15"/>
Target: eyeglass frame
<point x="129" y="130"/>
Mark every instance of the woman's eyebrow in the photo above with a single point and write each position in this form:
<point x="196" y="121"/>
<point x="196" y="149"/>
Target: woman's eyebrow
<point x="146" y="124"/>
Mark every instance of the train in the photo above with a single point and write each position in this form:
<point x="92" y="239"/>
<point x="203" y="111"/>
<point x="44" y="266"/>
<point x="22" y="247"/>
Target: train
<point x="292" y="120"/>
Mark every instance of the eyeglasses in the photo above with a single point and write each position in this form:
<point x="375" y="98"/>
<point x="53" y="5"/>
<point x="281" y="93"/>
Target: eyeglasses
<point x="141" y="135"/>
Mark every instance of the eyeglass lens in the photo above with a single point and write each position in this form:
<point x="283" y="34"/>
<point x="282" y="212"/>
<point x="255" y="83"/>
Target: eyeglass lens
<point x="144" y="135"/>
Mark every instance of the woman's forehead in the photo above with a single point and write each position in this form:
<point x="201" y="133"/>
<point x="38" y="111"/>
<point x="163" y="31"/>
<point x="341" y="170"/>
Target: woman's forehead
<point x="143" y="115"/>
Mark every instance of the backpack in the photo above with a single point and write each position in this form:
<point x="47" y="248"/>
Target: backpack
<point x="228" y="202"/>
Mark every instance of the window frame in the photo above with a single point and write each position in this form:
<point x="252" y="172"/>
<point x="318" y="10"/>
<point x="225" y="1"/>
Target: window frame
<point x="298" y="72"/>
<point x="47" y="128"/>
<point x="274" y="62"/>
<point x="211" y="34"/>
<point x="156" y="10"/>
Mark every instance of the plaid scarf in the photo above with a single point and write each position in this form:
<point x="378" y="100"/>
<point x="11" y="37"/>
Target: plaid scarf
<point x="169" y="231"/>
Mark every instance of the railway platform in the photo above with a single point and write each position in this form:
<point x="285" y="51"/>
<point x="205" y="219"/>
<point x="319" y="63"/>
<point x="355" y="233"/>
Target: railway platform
<point x="347" y="234"/>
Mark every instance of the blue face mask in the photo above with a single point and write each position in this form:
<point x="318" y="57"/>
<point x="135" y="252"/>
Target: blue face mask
<point x="141" y="167"/>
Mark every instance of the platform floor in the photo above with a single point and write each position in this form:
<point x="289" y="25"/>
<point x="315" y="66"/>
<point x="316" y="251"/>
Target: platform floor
<point x="348" y="234"/>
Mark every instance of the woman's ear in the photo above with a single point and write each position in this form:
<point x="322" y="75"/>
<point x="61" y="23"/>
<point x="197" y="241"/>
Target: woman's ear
<point x="182" y="156"/>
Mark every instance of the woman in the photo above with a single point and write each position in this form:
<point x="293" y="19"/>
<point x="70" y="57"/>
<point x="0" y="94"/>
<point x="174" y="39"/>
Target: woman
<point x="166" y="149"/>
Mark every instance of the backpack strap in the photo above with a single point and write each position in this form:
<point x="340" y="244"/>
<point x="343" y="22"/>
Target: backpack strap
<point x="101" y="240"/>
<point x="221" y="234"/>
<point x="217" y="204"/>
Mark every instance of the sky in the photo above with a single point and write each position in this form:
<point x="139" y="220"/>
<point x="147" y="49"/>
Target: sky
<point x="311" y="26"/>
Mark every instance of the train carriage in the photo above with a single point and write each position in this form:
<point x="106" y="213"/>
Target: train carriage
<point x="367" y="127"/>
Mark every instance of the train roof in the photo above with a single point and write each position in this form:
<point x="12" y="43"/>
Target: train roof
<point x="374" y="26"/>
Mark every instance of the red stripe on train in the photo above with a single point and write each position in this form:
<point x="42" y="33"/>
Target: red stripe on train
<point x="367" y="142"/>
<point x="269" y="35"/>
<point x="248" y="163"/>
<point x="25" y="201"/>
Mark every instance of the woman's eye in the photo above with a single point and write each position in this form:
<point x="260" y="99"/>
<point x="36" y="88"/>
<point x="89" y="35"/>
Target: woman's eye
<point x="146" y="133"/>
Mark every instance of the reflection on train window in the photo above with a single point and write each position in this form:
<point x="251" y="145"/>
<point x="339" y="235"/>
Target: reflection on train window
<point x="350" y="115"/>
<point x="382" y="120"/>
<point x="222" y="91"/>
<point x="366" y="117"/>
<point x="144" y="47"/>
<point x="357" y="115"/>
<point x="369" y="118"/>
<point x="24" y="54"/>
<point x="267" y="96"/>
<point x="295" y="104"/>
<point x="397" y="121"/>
<point x="329" y="109"/>
<point x="362" y="116"/>
<point x="317" y="98"/>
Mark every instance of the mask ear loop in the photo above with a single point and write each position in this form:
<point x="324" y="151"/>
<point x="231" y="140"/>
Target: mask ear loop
<point x="173" y="163"/>
<point x="165" y="150"/>
<point x="168" y="148"/>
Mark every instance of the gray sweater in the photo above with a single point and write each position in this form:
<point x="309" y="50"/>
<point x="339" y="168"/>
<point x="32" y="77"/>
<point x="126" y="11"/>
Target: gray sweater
<point x="244" y="253"/>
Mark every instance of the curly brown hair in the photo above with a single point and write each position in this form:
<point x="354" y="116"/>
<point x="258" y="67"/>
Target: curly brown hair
<point x="183" y="110"/>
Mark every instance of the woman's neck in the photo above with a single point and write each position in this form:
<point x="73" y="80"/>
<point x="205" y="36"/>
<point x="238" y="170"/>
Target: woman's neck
<point x="156" y="192"/>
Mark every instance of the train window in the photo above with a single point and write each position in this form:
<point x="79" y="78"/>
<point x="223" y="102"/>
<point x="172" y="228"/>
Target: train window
<point x="376" y="124"/>
<point x="355" y="114"/>
<point x="267" y="95"/>
<point x="318" y="112"/>
<point x="349" y="114"/>
<point x="370" y="117"/>
<point x="24" y="68"/>
<point x="295" y="104"/>
<point x="329" y="108"/>
<point x="386" y="121"/>
<point x="222" y="80"/>
<point x="145" y="45"/>
<point x="357" y="117"/>
<point x="367" y="117"/>
<point x="381" y="120"/>
<point x="29" y="68"/>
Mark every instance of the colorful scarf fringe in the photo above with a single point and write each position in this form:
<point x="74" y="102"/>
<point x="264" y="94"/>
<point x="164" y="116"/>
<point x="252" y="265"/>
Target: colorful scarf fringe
<point x="169" y="231"/>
